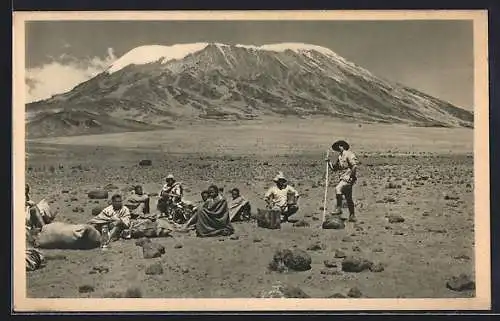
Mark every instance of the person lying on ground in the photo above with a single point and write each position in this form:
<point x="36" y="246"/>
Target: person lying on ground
<point x="116" y="217"/>
<point x="347" y="163"/>
<point x="239" y="207"/>
<point x="213" y="218"/>
<point x="138" y="202"/>
<point x="282" y="197"/>
<point x="170" y="195"/>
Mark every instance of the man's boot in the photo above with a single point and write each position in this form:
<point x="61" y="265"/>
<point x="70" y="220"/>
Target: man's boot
<point x="352" y="216"/>
<point x="338" y="209"/>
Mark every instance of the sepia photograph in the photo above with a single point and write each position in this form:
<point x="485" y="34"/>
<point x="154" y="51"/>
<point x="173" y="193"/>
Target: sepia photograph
<point x="181" y="161"/>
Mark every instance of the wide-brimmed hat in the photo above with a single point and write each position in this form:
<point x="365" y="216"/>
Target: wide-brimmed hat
<point x="343" y="143"/>
<point x="279" y="177"/>
<point x="170" y="176"/>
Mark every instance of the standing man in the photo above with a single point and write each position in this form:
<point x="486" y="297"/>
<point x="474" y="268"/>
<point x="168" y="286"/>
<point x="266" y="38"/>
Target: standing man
<point x="283" y="197"/>
<point x="347" y="163"/>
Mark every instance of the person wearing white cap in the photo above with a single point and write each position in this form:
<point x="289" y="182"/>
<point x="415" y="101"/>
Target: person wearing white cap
<point x="170" y="194"/>
<point x="282" y="197"/>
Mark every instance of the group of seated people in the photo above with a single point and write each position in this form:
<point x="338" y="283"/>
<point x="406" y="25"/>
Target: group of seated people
<point x="212" y="216"/>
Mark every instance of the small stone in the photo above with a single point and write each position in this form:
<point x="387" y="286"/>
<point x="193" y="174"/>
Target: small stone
<point x="315" y="247"/>
<point x="355" y="264"/>
<point x="347" y="239"/>
<point x="85" y="288"/>
<point x="354" y="293"/>
<point x="337" y="295"/>
<point x="333" y="223"/>
<point x="234" y="237"/>
<point x="379" y="267"/>
<point x="142" y="241"/>
<point x="462" y="257"/>
<point x="154" y="269"/>
<point x="178" y="246"/>
<point x="378" y="250"/>
<point x="64" y="191"/>
<point x="185" y="270"/>
<point x="356" y="249"/>
<point x="395" y="219"/>
<point x="340" y="254"/>
<point x="329" y="272"/>
<point x="257" y="240"/>
<point x="461" y="283"/>
<point x="330" y="264"/>
<point x="152" y="250"/>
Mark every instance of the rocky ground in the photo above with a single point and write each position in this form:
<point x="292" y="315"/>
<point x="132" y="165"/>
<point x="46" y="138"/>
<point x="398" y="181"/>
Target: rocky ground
<point x="415" y="231"/>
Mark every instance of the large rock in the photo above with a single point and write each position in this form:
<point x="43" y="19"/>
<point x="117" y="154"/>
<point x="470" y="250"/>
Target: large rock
<point x="463" y="282"/>
<point x="98" y="194"/>
<point x="152" y="250"/>
<point x="335" y="223"/>
<point x="296" y="259"/>
<point x="354" y="293"/>
<point x="355" y="264"/>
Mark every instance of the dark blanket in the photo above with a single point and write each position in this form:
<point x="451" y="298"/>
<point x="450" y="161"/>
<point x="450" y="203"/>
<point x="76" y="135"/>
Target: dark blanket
<point x="213" y="219"/>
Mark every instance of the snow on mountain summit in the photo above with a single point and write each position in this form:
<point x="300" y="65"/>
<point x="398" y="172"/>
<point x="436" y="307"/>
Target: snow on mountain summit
<point x="153" y="53"/>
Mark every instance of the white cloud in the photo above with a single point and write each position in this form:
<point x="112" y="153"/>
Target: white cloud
<point x="62" y="75"/>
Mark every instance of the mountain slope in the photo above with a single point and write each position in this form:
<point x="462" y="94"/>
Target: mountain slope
<point x="158" y="85"/>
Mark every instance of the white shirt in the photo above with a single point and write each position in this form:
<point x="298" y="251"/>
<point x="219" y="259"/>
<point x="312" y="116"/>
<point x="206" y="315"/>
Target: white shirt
<point x="123" y="214"/>
<point x="278" y="196"/>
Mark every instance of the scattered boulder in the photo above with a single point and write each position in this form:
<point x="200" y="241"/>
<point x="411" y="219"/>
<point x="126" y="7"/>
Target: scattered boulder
<point x="315" y="247"/>
<point x="146" y="162"/>
<point x="461" y="257"/>
<point x="337" y="296"/>
<point x="335" y="223"/>
<point x="257" y="240"/>
<point x="140" y="242"/>
<point x="284" y="291"/>
<point x="379" y="267"/>
<point x="110" y="187"/>
<point x="154" y="269"/>
<point x="463" y="282"/>
<point x="295" y="259"/>
<point x="133" y="292"/>
<point x="98" y="194"/>
<point x="330" y="263"/>
<point x="451" y="197"/>
<point x="152" y="250"/>
<point x="339" y="254"/>
<point x="301" y="223"/>
<point x="329" y="272"/>
<point x="355" y="264"/>
<point x="234" y="237"/>
<point x="354" y="293"/>
<point x="85" y="288"/>
<point x="393" y="218"/>
<point x="178" y="246"/>
<point x="347" y="239"/>
<point x="100" y="269"/>
<point x="378" y="250"/>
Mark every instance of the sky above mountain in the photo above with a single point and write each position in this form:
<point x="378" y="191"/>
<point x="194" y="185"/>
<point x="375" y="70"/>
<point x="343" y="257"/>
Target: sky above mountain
<point x="435" y="57"/>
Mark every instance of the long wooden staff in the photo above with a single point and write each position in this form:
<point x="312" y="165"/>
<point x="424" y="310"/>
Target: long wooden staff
<point x="326" y="188"/>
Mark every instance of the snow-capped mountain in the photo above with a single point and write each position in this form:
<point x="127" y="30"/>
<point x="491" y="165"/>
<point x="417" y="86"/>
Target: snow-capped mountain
<point x="154" y="86"/>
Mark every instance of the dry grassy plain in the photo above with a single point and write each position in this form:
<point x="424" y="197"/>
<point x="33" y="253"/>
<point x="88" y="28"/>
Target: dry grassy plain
<point x="435" y="242"/>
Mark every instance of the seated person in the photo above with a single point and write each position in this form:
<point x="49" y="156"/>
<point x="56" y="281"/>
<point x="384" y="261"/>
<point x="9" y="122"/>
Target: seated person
<point x="138" y="202"/>
<point x="116" y="217"/>
<point x="282" y="197"/>
<point x="239" y="207"/>
<point x="34" y="217"/>
<point x="170" y="195"/>
<point x="213" y="218"/>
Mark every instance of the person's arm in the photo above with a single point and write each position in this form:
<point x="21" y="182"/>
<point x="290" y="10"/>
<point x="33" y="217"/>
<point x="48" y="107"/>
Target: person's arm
<point x="353" y="164"/>
<point x="125" y="217"/>
<point x="268" y="196"/>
